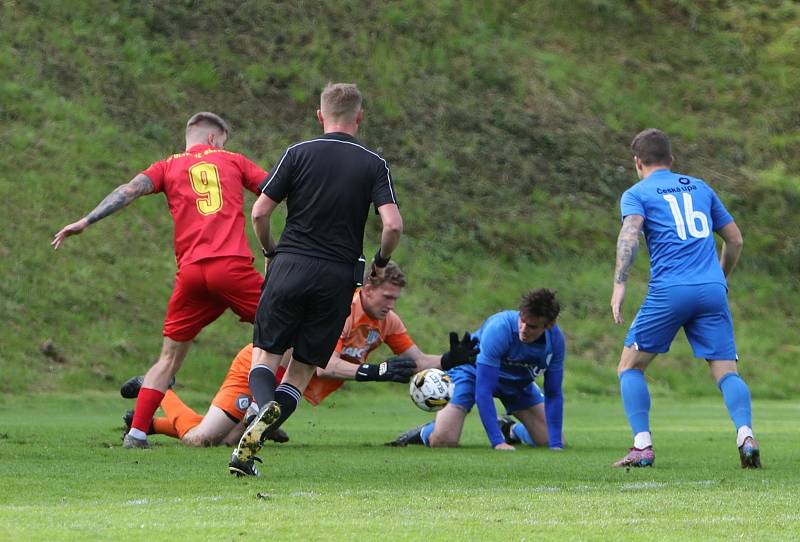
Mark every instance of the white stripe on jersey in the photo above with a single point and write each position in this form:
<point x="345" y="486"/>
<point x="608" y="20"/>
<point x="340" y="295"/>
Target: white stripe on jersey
<point x="388" y="174"/>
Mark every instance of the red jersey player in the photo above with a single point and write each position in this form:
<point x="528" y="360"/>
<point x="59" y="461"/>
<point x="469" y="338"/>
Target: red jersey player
<point x="204" y="190"/>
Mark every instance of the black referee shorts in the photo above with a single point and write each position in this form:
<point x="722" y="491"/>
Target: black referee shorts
<point x="304" y="305"/>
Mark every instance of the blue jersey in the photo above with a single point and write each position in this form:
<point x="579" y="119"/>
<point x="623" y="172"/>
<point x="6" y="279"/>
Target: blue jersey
<point x="519" y="362"/>
<point x="508" y="365"/>
<point x="680" y="213"/>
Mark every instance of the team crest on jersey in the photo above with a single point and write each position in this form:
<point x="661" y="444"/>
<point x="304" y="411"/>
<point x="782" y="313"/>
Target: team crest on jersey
<point x="242" y="402"/>
<point x="373" y="336"/>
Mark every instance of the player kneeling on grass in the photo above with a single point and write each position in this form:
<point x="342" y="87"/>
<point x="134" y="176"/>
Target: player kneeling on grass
<point x="372" y="322"/>
<point x="515" y="348"/>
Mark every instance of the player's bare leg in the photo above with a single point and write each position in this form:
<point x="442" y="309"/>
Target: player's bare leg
<point x="636" y="401"/>
<point x="447" y="429"/>
<point x="535" y="422"/>
<point x="233" y="436"/>
<point x="214" y="428"/>
<point x="737" y="400"/>
<point x="156" y="382"/>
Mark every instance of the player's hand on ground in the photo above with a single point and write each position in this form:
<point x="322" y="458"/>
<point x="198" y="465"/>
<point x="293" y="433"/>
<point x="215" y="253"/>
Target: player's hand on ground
<point x="617" y="297"/>
<point x="505" y="446"/>
<point x="464" y="351"/>
<point x="71" y="229"/>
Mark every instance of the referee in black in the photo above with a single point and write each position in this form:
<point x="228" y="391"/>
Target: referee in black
<point x="329" y="184"/>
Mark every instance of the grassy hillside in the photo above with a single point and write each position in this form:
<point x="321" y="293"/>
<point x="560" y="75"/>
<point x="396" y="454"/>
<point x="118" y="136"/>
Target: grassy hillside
<point x="506" y="124"/>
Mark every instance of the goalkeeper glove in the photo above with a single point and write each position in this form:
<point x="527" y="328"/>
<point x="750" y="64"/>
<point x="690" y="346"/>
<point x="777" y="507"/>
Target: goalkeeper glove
<point x="392" y="370"/>
<point x="461" y="352"/>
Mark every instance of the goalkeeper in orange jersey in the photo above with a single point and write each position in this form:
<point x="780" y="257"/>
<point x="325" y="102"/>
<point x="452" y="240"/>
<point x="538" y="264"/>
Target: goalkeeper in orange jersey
<point x="372" y="321"/>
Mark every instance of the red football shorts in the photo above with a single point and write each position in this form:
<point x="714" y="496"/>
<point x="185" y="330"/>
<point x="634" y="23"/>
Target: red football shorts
<point x="205" y="288"/>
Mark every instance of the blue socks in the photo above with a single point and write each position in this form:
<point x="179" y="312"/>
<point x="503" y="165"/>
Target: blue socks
<point x="635" y="400"/>
<point x="425" y="433"/>
<point x="737" y="399"/>
<point x="519" y="431"/>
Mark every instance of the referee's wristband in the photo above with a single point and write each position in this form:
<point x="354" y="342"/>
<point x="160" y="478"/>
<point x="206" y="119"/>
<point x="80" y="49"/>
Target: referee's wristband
<point x="268" y="253"/>
<point x="380" y="262"/>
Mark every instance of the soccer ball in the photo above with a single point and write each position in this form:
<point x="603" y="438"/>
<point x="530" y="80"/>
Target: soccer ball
<point x="431" y="389"/>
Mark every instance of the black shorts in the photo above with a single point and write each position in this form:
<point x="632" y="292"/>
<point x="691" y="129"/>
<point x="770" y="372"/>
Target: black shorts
<point x="304" y="305"/>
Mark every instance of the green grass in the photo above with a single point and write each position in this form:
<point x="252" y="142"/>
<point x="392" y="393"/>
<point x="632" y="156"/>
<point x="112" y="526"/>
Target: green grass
<point x="65" y="477"/>
<point x="506" y="124"/>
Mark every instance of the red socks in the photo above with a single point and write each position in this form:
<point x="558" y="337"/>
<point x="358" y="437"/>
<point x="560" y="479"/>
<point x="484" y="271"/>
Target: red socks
<point x="146" y="406"/>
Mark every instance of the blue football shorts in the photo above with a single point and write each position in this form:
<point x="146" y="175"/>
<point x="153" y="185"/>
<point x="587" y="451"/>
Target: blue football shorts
<point x="515" y="397"/>
<point x="701" y="309"/>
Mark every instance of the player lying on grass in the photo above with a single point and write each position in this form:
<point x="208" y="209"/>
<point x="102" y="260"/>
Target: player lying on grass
<point x="688" y="289"/>
<point x="515" y="348"/>
<point x="372" y="321"/>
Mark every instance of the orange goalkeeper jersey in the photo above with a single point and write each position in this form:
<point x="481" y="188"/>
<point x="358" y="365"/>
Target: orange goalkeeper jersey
<point x="360" y="336"/>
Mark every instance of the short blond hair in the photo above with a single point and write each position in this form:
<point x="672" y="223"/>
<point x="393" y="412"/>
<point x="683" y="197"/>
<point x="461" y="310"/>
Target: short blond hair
<point x="391" y="274"/>
<point x="340" y="101"/>
<point x="207" y="119"/>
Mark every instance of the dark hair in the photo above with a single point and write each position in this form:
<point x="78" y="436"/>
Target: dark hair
<point x="652" y="147"/>
<point x="541" y="302"/>
<point x="391" y="274"/>
<point x="207" y="117"/>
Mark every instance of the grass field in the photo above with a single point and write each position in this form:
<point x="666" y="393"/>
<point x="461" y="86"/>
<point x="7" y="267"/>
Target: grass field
<point x="65" y="477"/>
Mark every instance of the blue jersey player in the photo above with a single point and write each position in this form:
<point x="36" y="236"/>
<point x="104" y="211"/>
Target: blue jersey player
<point x="688" y="289"/>
<point x="515" y="348"/>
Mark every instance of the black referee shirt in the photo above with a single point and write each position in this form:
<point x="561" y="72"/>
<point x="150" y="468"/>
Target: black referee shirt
<point x="329" y="183"/>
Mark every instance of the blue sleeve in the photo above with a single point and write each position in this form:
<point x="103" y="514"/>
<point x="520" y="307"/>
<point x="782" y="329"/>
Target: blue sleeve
<point x="485" y="383"/>
<point x="553" y="396"/>
<point x="720" y="216"/>
<point x="494" y="343"/>
<point x="630" y="204"/>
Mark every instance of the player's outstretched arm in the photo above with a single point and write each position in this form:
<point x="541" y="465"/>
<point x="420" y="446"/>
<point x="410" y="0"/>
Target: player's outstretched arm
<point x="464" y="351"/>
<point x="461" y="351"/>
<point x="485" y="382"/>
<point x="627" y="246"/>
<point x="394" y="369"/>
<point x="731" y="246"/>
<point x="120" y="197"/>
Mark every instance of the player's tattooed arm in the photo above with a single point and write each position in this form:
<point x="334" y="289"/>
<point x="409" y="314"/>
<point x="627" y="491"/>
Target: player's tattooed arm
<point x="627" y="246"/>
<point x="121" y="197"/>
<point x="116" y="200"/>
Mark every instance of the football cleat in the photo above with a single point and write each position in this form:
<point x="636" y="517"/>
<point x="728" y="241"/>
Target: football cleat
<point x="506" y="423"/>
<point x="637" y="458"/>
<point x="240" y="468"/>
<point x="128" y="441"/>
<point x="254" y="436"/>
<point x="278" y="435"/>
<point x="750" y="454"/>
<point x="412" y="436"/>
<point x="127" y="418"/>
<point x="130" y="389"/>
